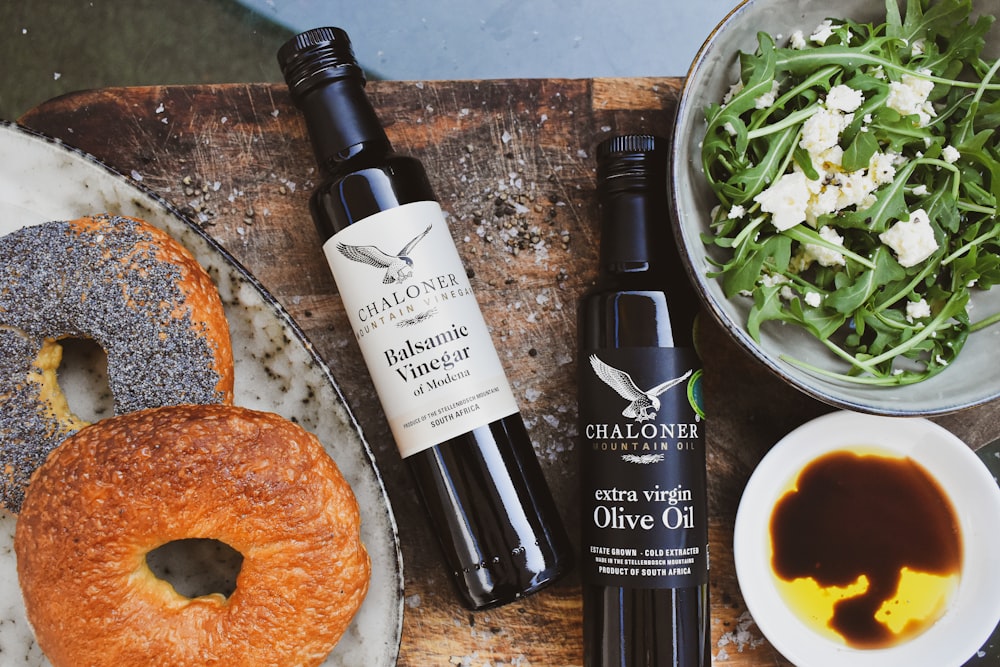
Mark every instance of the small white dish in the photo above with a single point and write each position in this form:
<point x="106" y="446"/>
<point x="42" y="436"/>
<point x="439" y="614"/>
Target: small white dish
<point x="974" y="607"/>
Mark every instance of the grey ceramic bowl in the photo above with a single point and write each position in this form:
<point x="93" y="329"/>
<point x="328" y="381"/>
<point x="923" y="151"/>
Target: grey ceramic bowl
<point x="974" y="377"/>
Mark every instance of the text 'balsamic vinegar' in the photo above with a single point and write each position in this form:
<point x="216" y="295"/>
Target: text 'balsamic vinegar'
<point x="423" y="337"/>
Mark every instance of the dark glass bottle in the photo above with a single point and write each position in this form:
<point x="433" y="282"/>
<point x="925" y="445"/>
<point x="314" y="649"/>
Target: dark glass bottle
<point x="423" y="337"/>
<point x="643" y="477"/>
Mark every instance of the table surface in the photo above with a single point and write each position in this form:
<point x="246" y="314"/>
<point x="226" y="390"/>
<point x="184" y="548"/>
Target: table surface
<point x="512" y="163"/>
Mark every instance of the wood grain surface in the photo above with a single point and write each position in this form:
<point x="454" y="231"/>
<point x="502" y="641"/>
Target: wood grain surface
<point x="512" y="163"/>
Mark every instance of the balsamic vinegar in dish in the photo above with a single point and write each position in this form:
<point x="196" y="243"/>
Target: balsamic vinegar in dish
<point x="866" y="548"/>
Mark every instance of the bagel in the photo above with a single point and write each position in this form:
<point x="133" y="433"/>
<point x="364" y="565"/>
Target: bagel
<point x="127" y="485"/>
<point x="133" y="290"/>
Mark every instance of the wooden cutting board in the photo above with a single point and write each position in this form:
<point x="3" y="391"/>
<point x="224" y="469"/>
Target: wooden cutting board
<point x="512" y="163"/>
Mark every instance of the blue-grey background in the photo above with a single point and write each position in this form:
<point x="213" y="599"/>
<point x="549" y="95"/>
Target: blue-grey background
<point x="50" y="47"/>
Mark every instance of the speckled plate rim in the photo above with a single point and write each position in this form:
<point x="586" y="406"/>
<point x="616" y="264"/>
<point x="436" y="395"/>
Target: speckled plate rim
<point x="975" y="609"/>
<point x="293" y="371"/>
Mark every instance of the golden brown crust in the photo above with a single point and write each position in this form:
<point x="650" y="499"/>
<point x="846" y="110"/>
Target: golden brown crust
<point x="127" y="485"/>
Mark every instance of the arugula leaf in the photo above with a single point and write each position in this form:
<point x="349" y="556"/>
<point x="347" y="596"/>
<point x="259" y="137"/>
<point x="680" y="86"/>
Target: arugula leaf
<point x="854" y="295"/>
<point x="767" y="306"/>
<point x="859" y="153"/>
<point x="748" y="262"/>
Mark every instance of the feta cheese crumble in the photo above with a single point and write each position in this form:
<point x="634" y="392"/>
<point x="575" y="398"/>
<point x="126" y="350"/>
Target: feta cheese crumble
<point x="786" y="200"/>
<point x="821" y="131"/>
<point x="772" y="279"/>
<point x="882" y="168"/>
<point x="844" y="98"/>
<point x="912" y="240"/>
<point x="909" y="97"/>
<point x="823" y="255"/>
<point x="733" y="91"/>
<point x="835" y="189"/>
<point x="917" y="310"/>
<point x="767" y="99"/>
<point x="823" y="32"/>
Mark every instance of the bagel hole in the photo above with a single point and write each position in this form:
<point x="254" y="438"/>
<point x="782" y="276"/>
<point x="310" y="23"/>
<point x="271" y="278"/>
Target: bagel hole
<point x="197" y="566"/>
<point x="83" y="379"/>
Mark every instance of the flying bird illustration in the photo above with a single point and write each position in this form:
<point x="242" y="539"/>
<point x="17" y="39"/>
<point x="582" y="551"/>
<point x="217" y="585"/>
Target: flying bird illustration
<point x="643" y="405"/>
<point x="398" y="267"/>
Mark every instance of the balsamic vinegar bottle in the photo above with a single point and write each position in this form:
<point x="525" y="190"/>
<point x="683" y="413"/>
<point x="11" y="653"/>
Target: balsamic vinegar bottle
<point x="425" y="342"/>
<point x="644" y="507"/>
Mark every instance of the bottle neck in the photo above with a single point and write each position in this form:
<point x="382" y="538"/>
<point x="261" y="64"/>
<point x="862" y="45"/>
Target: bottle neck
<point x="342" y="124"/>
<point x="634" y="224"/>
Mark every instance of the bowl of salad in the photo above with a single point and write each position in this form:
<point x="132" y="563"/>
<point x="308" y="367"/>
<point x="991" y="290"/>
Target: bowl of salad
<point x="836" y="184"/>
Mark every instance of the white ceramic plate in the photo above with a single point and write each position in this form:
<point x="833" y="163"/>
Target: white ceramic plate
<point x="276" y="369"/>
<point x="975" y="608"/>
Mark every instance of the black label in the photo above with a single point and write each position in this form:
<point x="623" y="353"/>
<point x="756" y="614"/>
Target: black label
<point x="645" y="516"/>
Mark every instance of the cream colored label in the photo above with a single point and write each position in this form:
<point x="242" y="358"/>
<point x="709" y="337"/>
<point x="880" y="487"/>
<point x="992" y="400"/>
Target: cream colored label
<point x="419" y="327"/>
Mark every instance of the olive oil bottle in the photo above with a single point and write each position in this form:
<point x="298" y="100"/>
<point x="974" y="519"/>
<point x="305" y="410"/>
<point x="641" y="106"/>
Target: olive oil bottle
<point x="643" y="478"/>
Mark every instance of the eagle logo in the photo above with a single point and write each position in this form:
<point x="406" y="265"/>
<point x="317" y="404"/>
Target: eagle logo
<point x="398" y="267"/>
<point x="643" y="405"/>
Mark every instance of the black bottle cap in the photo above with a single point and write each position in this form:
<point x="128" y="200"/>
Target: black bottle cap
<point x="629" y="143"/>
<point x="316" y="56"/>
<point x="631" y="156"/>
<point x="328" y="86"/>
